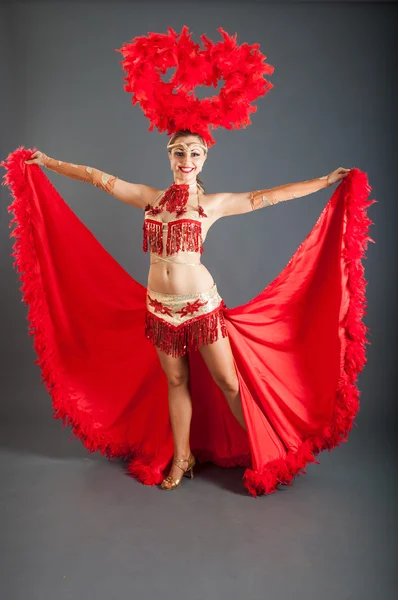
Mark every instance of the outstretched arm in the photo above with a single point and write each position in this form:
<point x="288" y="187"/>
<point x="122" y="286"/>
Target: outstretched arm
<point x="132" y="193"/>
<point x="235" y="204"/>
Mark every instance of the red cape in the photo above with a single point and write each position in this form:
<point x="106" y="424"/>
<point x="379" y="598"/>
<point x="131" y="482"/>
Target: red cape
<point x="298" y="346"/>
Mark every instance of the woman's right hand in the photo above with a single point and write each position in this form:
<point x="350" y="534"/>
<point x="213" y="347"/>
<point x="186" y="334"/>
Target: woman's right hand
<point x="37" y="158"/>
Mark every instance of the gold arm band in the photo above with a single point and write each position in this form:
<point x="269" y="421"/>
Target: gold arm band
<point x="271" y="196"/>
<point x="81" y="172"/>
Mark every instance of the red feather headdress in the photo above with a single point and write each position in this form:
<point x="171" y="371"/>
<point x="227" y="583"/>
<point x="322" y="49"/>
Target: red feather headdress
<point x="171" y="106"/>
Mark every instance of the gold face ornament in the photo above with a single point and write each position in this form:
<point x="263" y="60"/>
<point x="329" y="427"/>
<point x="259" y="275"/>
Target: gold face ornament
<point x="188" y="147"/>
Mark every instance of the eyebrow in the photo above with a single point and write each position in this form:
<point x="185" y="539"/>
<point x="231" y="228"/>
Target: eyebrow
<point x="182" y="148"/>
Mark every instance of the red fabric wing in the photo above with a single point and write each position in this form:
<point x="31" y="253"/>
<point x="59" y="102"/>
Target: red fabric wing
<point x="298" y="346"/>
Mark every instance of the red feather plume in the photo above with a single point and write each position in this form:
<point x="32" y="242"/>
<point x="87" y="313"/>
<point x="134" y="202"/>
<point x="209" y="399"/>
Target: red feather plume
<point x="171" y="106"/>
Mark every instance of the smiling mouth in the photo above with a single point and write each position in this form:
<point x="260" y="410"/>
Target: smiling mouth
<point x="186" y="169"/>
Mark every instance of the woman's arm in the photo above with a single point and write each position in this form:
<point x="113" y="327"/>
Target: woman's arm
<point x="227" y="204"/>
<point x="132" y="193"/>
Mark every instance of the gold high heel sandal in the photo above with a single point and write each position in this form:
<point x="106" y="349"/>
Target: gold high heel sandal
<point x="175" y="483"/>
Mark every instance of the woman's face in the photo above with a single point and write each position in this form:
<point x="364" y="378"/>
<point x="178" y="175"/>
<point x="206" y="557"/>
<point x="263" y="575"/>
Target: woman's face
<point x="187" y="159"/>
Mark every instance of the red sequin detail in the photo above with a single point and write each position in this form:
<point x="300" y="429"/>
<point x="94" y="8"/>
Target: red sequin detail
<point x="175" y="198"/>
<point x="201" y="211"/>
<point x="159" y="307"/>
<point x="190" y="308"/>
<point x="175" y="341"/>
<point x="185" y="235"/>
<point x="155" y="210"/>
<point x="152" y="234"/>
<point x="182" y="234"/>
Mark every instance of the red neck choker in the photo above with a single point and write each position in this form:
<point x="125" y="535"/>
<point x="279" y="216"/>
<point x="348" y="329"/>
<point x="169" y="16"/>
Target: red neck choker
<point x="175" y="198"/>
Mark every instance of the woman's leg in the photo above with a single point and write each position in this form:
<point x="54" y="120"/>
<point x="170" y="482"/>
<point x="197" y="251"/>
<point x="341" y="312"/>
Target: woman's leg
<point x="180" y="405"/>
<point x="219" y="360"/>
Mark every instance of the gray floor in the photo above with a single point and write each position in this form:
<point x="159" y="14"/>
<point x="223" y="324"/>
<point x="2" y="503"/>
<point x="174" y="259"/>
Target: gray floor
<point x="74" y="526"/>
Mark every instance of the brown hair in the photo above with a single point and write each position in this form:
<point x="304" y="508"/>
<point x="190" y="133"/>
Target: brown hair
<point x="183" y="133"/>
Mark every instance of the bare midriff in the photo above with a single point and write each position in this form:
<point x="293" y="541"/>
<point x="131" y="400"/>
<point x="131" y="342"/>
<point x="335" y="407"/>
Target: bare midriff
<point x="167" y="278"/>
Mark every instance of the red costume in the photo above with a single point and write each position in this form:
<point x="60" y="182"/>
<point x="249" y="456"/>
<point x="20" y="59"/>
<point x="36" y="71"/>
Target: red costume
<point x="298" y="346"/>
<point x="175" y="322"/>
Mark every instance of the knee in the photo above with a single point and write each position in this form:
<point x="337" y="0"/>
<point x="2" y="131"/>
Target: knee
<point x="227" y="382"/>
<point x="177" y="378"/>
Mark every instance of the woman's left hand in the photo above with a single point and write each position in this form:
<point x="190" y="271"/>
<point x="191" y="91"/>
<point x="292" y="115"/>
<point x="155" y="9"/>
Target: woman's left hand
<point x="337" y="175"/>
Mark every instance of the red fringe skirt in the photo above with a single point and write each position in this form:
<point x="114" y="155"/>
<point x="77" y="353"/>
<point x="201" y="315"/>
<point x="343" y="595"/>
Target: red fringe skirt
<point x="176" y="323"/>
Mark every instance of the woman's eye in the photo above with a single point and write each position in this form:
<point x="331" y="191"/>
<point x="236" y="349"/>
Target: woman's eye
<point x="182" y="154"/>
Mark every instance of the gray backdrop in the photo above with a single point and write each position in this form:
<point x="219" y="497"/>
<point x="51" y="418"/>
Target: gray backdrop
<point x="332" y="105"/>
<point x="73" y="525"/>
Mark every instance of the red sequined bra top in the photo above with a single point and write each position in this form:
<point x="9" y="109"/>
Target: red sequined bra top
<point x="184" y="233"/>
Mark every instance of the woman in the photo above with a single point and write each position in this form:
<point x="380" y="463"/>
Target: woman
<point x="184" y="309"/>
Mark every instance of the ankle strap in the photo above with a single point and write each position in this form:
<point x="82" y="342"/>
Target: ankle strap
<point x="177" y="460"/>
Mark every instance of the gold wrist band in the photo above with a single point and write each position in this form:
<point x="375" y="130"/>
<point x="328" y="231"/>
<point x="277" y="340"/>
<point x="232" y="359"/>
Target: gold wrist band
<point x="98" y="178"/>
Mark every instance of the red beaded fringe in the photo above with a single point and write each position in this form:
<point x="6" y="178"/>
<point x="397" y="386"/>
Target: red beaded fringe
<point x="152" y="233"/>
<point x="192" y="334"/>
<point x="185" y="235"/>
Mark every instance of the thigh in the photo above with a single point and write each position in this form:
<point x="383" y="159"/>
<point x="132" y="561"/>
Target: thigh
<point x="219" y="358"/>
<point x="175" y="368"/>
